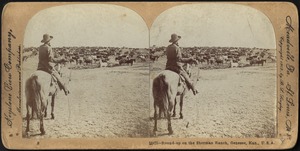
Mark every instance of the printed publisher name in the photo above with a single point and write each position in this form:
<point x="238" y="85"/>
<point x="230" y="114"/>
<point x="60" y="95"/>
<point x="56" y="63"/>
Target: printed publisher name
<point x="8" y="82"/>
<point x="286" y="68"/>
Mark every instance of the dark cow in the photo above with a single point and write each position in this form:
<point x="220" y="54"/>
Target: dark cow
<point x="126" y="61"/>
<point x="258" y="62"/>
<point x="154" y="58"/>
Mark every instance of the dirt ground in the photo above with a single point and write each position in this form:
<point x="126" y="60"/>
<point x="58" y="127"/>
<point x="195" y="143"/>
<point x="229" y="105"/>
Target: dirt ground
<point x="117" y="102"/>
<point x="104" y="102"/>
<point x="233" y="102"/>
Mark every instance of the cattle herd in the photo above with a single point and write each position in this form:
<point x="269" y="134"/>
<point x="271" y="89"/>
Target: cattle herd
<point x="229" y="57"/>
<point x="114" y="56"/>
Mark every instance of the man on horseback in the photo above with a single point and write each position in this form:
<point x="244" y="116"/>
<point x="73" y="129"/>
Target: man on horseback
<point x="46" y="58"/>
<point x="174" y="60"/>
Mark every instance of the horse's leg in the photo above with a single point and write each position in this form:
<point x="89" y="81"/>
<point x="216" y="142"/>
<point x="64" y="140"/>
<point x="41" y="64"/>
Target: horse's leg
<point x="155" y="119"/>
<point x="28" y="117"/>
<point x="42" y="124"/>
<point x="169" y="111"/>
<point x="45" y="115"/>
<point x="174" y="110"/>
<point x="159" y="113"/>
<point x="52" y="105"/>
<point x="181" y="104"/>
<point x="169" y="122"/>
<point x="43" y="104"/>
<point x="32" y="113"/>
<point x="41" y="112"/>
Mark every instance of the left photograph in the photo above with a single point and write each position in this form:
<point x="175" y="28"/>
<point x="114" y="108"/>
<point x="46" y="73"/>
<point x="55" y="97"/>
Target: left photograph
<point x="86" y="73"/>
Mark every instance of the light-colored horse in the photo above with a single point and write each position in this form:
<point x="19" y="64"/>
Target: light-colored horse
<point x="166" y="86"/>
<point x="39" y="89"/>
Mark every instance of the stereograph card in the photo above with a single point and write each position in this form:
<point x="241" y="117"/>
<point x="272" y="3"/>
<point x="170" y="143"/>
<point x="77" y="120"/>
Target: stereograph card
<point x="149" y="75"/>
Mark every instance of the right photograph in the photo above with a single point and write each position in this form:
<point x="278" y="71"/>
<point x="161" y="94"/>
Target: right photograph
<point x="213" y="72"/>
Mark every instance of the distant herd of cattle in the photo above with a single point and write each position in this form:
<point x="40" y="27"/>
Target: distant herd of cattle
<point x="232" y="56"/>
<point x="88" y="57"/>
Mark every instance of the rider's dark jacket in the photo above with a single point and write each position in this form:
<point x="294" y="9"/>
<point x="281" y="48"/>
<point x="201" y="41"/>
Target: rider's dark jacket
<point x="46" y="58"/>
<point x="174" y="58"/>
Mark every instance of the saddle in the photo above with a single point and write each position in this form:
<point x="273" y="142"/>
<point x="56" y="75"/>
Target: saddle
<point x="53" y="79"/>
<point x="182" y="80"/>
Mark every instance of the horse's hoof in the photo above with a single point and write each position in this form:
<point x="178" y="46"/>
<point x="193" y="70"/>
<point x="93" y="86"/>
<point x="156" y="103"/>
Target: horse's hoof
<point x="52" y="116"/>
<point x="43" y="132"/>
<point x="27" y="134"/>
<point x="181" y="117"/>
<point x="174" y="115"/>
<point x="170" y="132"/>
<point x="154" y="134"/>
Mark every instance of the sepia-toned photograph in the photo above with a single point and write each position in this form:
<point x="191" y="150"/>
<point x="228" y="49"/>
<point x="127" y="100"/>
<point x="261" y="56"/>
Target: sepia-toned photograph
<point x="149" y="75"/>
<point x="85" y="73"/>
<point x="214" y="72"/>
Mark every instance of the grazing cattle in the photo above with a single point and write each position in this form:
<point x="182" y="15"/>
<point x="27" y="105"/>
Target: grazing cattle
<point x="165" y="89"/>
<point x="154" y="58"/>
<point x="272" y="58"/>
<point x="207" y="59"/>
<point x="127" y="61"/>
<point x="74" y="59"/>
<point x="225" y="57"/>
<point x="211" y="60"/>
<point x="202" y="60"/>
<point x="80" y="60"/>
<point x="258" y="62"/>
<point x="219" y="60"/>
<point x="120" y="57"/>
<point x="249" y="58"/>
<point x="88" y="60"/>
<point x="233" y="64"/>
<point x="102" y="64"/>
<point x="142" y="57"/>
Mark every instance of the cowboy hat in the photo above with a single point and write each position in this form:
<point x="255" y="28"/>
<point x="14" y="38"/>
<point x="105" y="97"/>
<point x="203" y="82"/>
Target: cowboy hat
<point x="174" y="38"/>
<point x="46" y="38"/>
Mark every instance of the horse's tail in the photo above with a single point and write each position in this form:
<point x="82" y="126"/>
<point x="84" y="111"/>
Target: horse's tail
<point x="160" y="95"/>
<point x="33" y="95"/>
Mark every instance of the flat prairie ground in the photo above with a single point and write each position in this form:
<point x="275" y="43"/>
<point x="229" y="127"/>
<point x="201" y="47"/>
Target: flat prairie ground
<point x="233" y="102"/>
<point x="115" y="102"/>
<point x="104" y="102"/>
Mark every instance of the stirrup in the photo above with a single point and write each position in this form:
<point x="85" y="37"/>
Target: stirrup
<point x="195" y="92"/>
<point x="66" y="91"/>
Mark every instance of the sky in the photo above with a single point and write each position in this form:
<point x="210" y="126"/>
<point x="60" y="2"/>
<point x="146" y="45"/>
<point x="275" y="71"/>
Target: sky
<point x="225" y="25"/>
<point x="210" y="24"/>
<point x="88" y="25"/>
